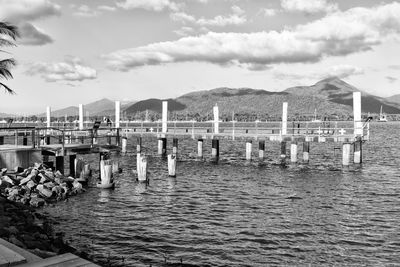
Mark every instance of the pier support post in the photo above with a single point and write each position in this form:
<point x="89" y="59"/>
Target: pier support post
<point x="283" y="151"/>
<point x="358" y="128"/>
<point x="261" y="149"/>
<point x="172" y="165"/>
<point x="215" y="150"/>
<point x="200" y="148"/>
<point x="248" y="149"/>
<point x="164" y="146"/>
<point x="159" y="146"/>
<point x="216" y="119"/>
<point x="346" y="154"/>
<point x="138" y="151"/>
<point x="72" y="165"/>
<point x="164" y="119"/>
<point x="124" y="144"/>
<point x="48" y="117"/>
<point x="293" y="152"/>
<point x="142" y="168"/>
<point x="358" y="151"/>
<point x="175" y="147"/>
<point x="60" y="164"/>
<point x="117" y="113"/>
<point x="306" y="152"/>
<point x="80" y="117"/>
<point x="105" y="172"/>
<point x="284" y="117"/>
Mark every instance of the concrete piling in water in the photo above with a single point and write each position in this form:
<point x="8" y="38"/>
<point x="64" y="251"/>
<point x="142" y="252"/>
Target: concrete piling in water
<point x="117" y="113"/>
<point x="215" y="150"/>
<point x="105" y="172"/>
<point x="60" y="164"/>
<point x="172" y="165"/>
<point x="358" y="151"/>
<point x="72" y="158"/>
<point x="160" y="146"/>
<point x="124" y="144"/>
<point x="138" y="150"/>
<point x="164" y="147"/>
<point x="346" y="154"/>
<point x="283" y="152"/>
<point x="306" y="152"/>
<point x="175" y="147"/>
<point x="115" y="166"/>
<point x="293" y="152"/>
<point x="142" y="168"/>
<point x="261" y="149"/>
<point x="81" y="117"/>
<point x="79" y="166"/>
<point x="248" y="149"/>
<point x="200" y="148"/>
<point x="284" y="118"/>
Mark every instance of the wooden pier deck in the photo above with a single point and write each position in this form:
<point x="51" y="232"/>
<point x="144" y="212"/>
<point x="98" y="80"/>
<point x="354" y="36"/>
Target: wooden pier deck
<point x="11" y="255"/>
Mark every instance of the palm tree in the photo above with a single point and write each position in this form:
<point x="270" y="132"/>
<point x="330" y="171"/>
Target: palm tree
<point x="8" y="34"/>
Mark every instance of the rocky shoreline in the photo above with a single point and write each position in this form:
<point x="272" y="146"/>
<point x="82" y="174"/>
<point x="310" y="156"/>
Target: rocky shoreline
<point x="22" y="223"/>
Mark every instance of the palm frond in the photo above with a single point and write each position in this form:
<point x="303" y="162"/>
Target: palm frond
<point x="5" y="42"/>
<point x="9" y="29"/>
<point x="7" y="63"/>
<point x="5" y="73"/>
<point x="8" y="89"/>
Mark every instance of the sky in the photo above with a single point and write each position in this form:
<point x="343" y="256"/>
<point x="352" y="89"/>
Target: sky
<point x="79" y="51"/>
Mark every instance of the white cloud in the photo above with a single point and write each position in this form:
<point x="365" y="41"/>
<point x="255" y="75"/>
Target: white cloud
<point x="27" y="10"/>
<point x="72" y="69"/>
<point x="338" y="34"/>
<point x="185" y="31"/>
<point x="237" y="18"/>
<point x="268" y="12"/>
<point x="31" y="35"/>
<point x="85" y="11"/>
<point x="107" y="8"/>
<point x="151" y="5"/>
<point x="340" y="71"/>
<point x="308" y="6"/>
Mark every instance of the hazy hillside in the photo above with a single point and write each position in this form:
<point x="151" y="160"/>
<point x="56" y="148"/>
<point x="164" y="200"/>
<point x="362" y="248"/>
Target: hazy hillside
<point x="329" y="96"/>
<point x="394" y="99"/>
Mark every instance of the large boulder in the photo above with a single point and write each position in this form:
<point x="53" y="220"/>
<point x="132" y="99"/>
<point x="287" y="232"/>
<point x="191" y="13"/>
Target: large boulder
<point x="43" y="191"/>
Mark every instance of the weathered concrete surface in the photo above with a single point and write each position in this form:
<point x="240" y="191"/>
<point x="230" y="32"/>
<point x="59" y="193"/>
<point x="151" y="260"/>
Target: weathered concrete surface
<point x="11" y="157"/>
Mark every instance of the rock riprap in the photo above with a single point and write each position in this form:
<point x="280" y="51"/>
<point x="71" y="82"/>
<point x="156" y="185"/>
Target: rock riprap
<point x="37" y="185"/>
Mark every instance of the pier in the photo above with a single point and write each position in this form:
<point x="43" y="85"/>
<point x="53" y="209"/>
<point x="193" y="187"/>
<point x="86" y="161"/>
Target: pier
<point x="60" y="142"/>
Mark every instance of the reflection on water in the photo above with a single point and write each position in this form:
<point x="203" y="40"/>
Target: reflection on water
<point x="237" y="213"/>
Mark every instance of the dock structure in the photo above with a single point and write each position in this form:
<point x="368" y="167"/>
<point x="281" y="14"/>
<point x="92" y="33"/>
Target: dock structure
<point x="59" y="141"/>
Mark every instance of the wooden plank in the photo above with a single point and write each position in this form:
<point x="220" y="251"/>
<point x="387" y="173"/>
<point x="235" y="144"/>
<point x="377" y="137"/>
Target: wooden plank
<point x="9" y="257"/>
<point x="64" y="260"/>
<point x="24" y="253"/>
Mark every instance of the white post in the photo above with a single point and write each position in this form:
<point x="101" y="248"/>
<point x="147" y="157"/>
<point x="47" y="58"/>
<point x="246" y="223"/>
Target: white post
<point x="48" y="113"/>
<point x="124" y="144"/>
<point x="172" y="165"/>
<point x="200" y="148"/>
<point x="346" y="154"/>
<point x="248" y="149"/>
<point x="142" y="168"/>
<point x="164" y="116"/>
<point x="284" y="118"/>
<point x="80" y="117"/>
<point x="117" y="113"/>
<point x="358" y="131"/>
<point x="216" y="119"/>
<point x="293" y="152"/>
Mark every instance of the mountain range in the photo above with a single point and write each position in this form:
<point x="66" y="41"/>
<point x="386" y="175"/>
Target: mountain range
<point x="328" y="96"/>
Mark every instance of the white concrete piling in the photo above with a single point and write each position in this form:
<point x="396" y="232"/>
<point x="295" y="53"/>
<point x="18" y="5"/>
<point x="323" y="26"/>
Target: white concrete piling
<point x="48" y="117"/>
<point x="261" y="149"/>
<point x="164" y="116"/>
<point x="81" y="117"/>
<point x="175" y="147"/>
<point x="346" y="154"/>
<point x="172" y="165"/>
<point x="358" y="151"/>
<point x="248" y="149"/>
<point x="142" y="168"/>
<point x="105" y="172"/>
<point x="160" y="146"/>
<point x="293" y="152"/>
<point x="306" y="152"/>
<point x="124" y="144"/>
<point x="358" y="125"/>
<point x="117" y="113"/>
<point x="216" y="119"/>
<point x="115" y="166"/>
<point x="200" y="148"/>
<point x="284" y="117"/>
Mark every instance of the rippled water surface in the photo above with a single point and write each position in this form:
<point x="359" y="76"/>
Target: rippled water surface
<point x="237" y="213"/>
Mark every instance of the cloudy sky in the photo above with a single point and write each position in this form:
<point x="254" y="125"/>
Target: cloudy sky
<point x="79" y="51"/>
